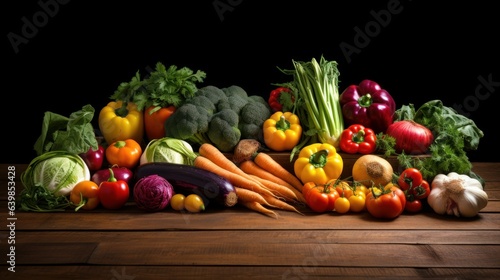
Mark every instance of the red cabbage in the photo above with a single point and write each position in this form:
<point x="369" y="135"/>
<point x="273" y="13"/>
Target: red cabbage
<point x="153" y="193"/>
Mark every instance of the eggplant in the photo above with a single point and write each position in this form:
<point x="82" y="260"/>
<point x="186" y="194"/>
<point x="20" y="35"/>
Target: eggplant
<point x="191" y="179"/>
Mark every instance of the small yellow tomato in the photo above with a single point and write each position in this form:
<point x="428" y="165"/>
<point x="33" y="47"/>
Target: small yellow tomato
<point x="194" y="203"/>
<point x="342" y="205"/>
<point x="363" y="188"/>
<point x="177" y="201"/>
<point x="357" y="203"/>
<point x="360" y="192"/>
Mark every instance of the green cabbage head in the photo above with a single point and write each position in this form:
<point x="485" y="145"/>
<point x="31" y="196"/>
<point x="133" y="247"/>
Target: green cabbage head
<point x="56" y="171"/>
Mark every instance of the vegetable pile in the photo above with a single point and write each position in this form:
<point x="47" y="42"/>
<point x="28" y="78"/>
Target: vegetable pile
<point x="170" y="143"/>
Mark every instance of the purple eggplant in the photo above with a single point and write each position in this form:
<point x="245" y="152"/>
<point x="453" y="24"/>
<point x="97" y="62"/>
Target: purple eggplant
<point x="120" y="173"/>
<point x="190" y="179"/>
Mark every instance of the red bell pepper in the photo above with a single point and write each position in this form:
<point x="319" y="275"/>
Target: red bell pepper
<point x="275" y="100"/>
<point x="369" y="105"/>
<point x="358" y="139"/>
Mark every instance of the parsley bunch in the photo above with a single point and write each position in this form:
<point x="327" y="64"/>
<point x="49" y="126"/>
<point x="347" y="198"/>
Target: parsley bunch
<point x="162" y="88"/>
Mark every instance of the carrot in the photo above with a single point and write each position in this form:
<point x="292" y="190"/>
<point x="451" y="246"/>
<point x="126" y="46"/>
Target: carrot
<point x="248" y="195"/>
<point x="266" y="162"/>
<point x="250" y="167"/>
<point x="233" y="178"/>
<point x="280" y="204"/>
<point x="211" y="152"/>
<point x="253" y="205"/>
<point x="277" y="189"/>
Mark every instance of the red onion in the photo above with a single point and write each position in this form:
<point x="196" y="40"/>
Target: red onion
<point x="411" y="137"/>
<point x="120" y="173"/>
<point x="153" y="193"/>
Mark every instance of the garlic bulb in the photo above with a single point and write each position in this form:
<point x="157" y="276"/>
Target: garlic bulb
<point x="457" y="194"/>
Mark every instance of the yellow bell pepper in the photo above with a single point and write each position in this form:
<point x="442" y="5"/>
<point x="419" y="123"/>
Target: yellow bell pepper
<point x="282" y="131"/>
<point x="118" y="121"/>
<point x="318" y="163"/>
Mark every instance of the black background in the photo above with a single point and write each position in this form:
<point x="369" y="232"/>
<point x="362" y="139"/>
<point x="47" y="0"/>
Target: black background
<point x="78" y="55"/>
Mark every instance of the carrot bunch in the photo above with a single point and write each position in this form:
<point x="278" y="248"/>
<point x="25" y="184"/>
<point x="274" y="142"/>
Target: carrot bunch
<point x="257" y="188"/>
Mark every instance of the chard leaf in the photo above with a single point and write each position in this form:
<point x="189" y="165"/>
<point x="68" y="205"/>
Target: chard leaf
<point x="74" y="134"/>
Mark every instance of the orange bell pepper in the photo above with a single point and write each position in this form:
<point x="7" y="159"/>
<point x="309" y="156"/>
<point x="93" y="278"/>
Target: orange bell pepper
<point x="124" y="153"/>
<point x="154" y="121"/>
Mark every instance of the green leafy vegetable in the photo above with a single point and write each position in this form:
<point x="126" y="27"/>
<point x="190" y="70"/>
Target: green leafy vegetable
<point x="74" y="134"/>
<point x="49" y="179"/>
<point x="167" y="149"/>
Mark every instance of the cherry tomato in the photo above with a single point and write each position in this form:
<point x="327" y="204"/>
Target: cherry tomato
<point x="177" y="201"/>
<point x="342" y="187"/>
<point x="85" y="195"/>
<point x="320" y="197"/>
<point x="413" y="206"/>
<point x="358" y="203"/>
<point x="194" y="203"/>
<point x="362" y="188"/>
<point x="421" y="191"/>
<point x="342" y="205"/>
<point x="388" y="203"/>
<point x="410" y="177"/>
<point x="360" y="192"/>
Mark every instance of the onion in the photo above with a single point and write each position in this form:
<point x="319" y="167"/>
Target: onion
<point x="411" y="137"/>
<point x="153" y="193"/>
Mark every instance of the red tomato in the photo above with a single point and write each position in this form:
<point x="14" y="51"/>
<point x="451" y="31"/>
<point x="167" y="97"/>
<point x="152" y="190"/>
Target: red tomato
<point x="320" y="198"/>
<point x="388" y="203"/>
<point x="413" y="206"/>
<point x="410" y="177"/>
<point x="421" y="191"/>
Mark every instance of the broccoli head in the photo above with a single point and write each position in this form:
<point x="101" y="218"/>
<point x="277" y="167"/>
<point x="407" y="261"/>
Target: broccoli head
<point x="203" y="102"/>
<point x="237" y="98"/>
<point x="215" y="94"/>
<point x="252" y="117"/>
<point x="223" y="130"/>
<point x="190" y="123"/>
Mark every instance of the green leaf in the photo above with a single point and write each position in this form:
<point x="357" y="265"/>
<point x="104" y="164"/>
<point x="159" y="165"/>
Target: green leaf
<point x="74" y="134"/>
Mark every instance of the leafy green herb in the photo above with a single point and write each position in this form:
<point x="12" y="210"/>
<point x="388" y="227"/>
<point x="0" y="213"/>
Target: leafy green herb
<point x="162" y="88"/>
<point x="39" y="199"/>
<point x="74" y="134"/>
<point x="386" y="144"/>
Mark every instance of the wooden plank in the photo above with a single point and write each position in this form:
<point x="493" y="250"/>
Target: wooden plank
<point x="130" y="218"/>
<point x="243" y="272"/>
<point x="381" y="236"/>
<point x="487" y="170"/>
<point x="220" y="252"/>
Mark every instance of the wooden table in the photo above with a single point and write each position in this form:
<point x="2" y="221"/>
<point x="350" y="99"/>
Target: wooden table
<point x="236" y="243"/>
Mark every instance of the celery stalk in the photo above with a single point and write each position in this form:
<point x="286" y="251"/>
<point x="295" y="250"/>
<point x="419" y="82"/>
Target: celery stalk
<point x="318" y="93"/>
